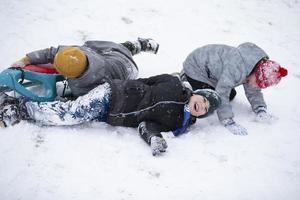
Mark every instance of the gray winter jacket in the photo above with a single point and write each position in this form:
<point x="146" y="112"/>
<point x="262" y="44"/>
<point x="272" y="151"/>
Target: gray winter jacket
<point x="225" y="67"/>
<point x="107" y="60"/>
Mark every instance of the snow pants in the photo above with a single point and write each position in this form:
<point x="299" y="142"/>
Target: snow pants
<point x="92" y="106"/>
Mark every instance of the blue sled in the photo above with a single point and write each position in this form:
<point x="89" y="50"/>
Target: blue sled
<point x="19" y="80"/>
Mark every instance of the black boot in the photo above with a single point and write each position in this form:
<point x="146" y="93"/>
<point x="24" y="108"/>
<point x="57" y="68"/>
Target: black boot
<point x="12" y="111"/>
<point x="7" y="100"/>
<point x="148" y="45"/>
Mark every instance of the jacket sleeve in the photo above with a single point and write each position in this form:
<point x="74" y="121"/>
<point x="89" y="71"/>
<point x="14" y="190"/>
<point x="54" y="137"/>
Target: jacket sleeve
<point x="159" y="78"/>
<point x="42" y="56"/>
<point x="254" y="96"/>
<point x="149" y="129"/>
<point x="224" y="87"/>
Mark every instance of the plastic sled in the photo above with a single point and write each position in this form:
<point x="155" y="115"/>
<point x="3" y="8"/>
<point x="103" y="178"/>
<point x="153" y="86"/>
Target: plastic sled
<point x="21" y="80"/>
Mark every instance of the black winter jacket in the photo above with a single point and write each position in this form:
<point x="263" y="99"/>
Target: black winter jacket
<point x="159" y="101"/>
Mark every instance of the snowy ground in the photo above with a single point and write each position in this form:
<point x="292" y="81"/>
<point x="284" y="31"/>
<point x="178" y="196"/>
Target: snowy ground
<point x="97" y="161"/>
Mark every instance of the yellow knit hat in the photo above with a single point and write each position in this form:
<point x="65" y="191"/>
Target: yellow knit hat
<point x="70" y="62"/>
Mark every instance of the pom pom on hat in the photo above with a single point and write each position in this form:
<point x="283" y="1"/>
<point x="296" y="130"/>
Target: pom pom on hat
<point x="70" y="62"/>
<point x="283" y="72"/>
<point x="268" y="73"/>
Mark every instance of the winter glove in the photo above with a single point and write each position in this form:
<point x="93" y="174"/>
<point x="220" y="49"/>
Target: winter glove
<point x="148" y="131"/>
<point x="234" y="128"/>
<point x="158" y="145"/>
<point x="263" y="116"/>
<point x="21" y="63"/>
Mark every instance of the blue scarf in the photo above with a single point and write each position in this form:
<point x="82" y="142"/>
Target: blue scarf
<point x="185" y="122"/>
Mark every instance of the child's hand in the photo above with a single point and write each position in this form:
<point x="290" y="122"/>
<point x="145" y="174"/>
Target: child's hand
<point x="21" y="63"/>
<point x="263" y="116"/>
<point x="234" y="128"/>
<point x="158" y="145"/>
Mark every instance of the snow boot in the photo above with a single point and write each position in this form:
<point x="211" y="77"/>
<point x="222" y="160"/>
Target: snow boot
<point x="7" y="100"/>
<point x="146" y="45"/>
<point x="149" y="45"/>
<point x="12" y="111"/>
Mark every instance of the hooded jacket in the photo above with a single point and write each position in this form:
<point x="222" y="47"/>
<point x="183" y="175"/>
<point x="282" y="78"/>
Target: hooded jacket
<point x="106" y="60"/>
<point x="224" y="68"/>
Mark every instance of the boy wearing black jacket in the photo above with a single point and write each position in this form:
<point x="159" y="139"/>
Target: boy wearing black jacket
<point x="154" y="105"/>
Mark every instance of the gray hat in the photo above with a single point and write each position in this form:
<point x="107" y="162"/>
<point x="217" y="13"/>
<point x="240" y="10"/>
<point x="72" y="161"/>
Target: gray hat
<point x="213" y="98"/>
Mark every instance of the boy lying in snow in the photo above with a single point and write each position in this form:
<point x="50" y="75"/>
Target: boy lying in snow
<point x="222" y="68"/>
<point x="156" y="104"/>
<point x="86" y="66"/>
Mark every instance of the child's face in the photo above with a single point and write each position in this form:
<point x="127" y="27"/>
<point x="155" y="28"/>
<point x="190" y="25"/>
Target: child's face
<point x="198" y="105"/>
<point x="251" y="80"/>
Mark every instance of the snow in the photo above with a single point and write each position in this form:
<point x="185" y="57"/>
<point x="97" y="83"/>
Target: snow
<point x="97" y="161"/>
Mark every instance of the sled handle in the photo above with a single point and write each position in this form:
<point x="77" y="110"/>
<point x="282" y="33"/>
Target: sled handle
<point x="10" y="78"/>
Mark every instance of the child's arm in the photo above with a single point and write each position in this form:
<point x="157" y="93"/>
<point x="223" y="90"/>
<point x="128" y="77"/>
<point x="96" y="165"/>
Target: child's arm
<point x="150" y="133"/>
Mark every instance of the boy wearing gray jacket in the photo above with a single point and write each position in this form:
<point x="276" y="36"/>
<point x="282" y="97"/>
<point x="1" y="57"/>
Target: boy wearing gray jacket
<point x="222" y="68"/>
<point x="86" y="66"/>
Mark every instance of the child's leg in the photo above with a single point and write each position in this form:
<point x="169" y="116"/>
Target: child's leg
<point x="92" y="106"/>
<point x="133" y="47"/>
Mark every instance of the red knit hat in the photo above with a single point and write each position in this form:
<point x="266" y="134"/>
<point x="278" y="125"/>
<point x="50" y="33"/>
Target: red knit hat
<point x="268" y="73"/>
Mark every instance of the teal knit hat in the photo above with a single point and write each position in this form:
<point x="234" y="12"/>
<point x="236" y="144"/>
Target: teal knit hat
<point x="213" y="98"/>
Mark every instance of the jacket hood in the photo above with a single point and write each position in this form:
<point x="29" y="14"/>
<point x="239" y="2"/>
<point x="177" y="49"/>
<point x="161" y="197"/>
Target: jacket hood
<point x="251" y="55"/>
